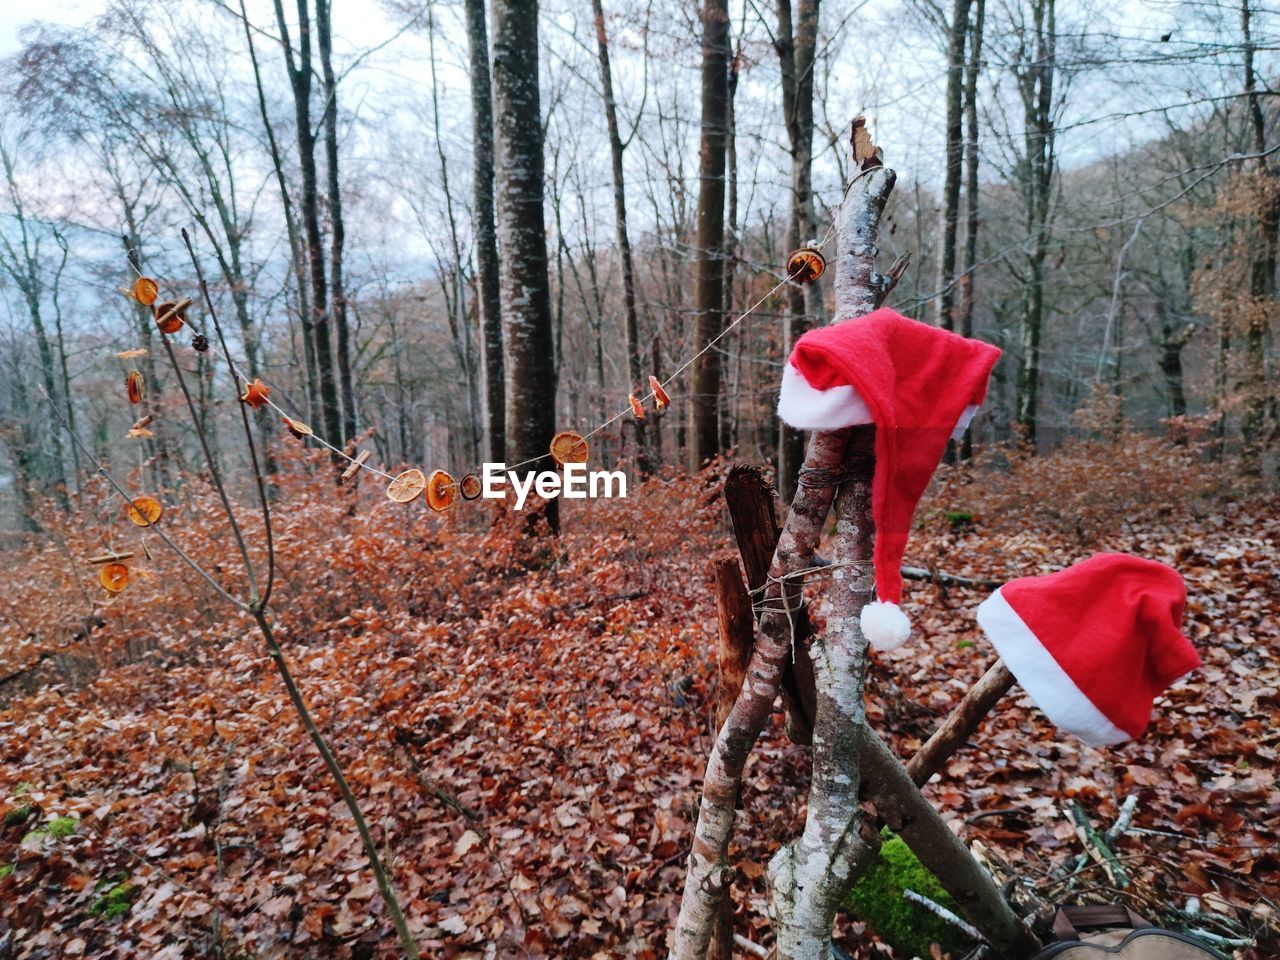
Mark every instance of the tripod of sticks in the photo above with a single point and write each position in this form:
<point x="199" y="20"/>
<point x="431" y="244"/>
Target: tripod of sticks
<point x="767" y="647"/>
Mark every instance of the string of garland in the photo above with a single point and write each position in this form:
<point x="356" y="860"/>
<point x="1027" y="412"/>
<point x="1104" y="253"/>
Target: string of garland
<point x="803" y="266"/>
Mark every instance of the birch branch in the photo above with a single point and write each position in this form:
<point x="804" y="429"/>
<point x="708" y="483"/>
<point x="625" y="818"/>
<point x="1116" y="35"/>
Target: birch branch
<point x="942" y="913"/>
<point x="708" y="871"/>
<point x="809" y="877"/>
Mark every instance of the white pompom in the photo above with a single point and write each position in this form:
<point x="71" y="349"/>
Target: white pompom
<point x="884" y="625"/>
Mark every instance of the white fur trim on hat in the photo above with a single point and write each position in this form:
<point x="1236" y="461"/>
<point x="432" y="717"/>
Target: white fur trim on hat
<point x="884" y="625"/>
<point x="966" y="418"/>
<point x="1042" y="676"/>
<point x="805" y="407"/>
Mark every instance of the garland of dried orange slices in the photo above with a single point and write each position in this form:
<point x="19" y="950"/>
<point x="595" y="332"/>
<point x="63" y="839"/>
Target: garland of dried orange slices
<point x="803" y="266"/>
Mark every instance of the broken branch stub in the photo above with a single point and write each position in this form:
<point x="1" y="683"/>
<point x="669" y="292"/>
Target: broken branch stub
<point x="749" y="497"/>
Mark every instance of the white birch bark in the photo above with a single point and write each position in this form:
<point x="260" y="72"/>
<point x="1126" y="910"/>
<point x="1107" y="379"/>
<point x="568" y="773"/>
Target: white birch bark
<point x="810" y="876"/>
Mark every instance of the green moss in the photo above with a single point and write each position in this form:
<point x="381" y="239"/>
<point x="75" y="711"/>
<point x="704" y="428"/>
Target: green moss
<point x="959" y="518"/>
<point x="964" y="644"/>
<point x="906" y="926"/>
<point x="60" y="827"/>
<point x="26" y="786"/>
<point x="16" y="816"/>
<point x="5" y="870"/>
<point x="114" y="896"/>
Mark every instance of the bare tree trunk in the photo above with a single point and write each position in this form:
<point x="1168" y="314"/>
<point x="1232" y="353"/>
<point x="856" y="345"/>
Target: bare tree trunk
<point x="796" y="42"/>
<point x="945" y="301"/>
<point x="1262" y="271"/>
<point x="705" y="386"/>
<point x="485" y="233"/>
<point x="296" y="255"/>
<point x="656" y="365"/>
<point x="60" y="341"/>
<point x="1170" y="344"/>
<point x="1035" y="84"/>
<point x="300" y="75"/>
<point x="451" y="279"/>
<point x="631" y="322"/>
<point x="22" y="263"/>
<point x="337" y="228"/>
<point x="971" y="197"/>
<point x="526" y="297"/>
<point x="730" y="396"/>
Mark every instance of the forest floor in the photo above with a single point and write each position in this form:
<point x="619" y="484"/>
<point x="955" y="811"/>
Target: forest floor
<point x="527" y="730"/>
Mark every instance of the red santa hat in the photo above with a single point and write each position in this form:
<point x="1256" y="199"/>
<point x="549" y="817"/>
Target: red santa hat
<point x="1094" y="644"/>
<point x="920" y="386"/>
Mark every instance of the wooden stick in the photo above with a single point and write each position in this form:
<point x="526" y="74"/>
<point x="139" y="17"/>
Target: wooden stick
<point x="810" y="876"/>
<point x="174" y="310"/>
<point x="948" y="579"/>
<point x="942" y="913"/>
<point x="354" y="467"/>
<point x="750" y="946"/>
<point x="1096" y="846"/>
<point x="900" y="804"/>
<point x="960" y="723"/>
<point x="111" y="557"/>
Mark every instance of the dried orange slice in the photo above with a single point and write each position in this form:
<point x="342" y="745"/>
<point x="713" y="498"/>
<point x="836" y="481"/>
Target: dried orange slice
<point x="171" y="316"/>
<point x="297" y="427"/>
<point x="470" y="486"/>
<point x="114" y="577"/>
<point x="135" y="386"/>
<point x="441" y="491"/>
<point x="145" y="511"/>
<point x="805" y="265"/>
<point x="636" y="407"/>
<point x="256" y="393"/>
<point x="660" y="399"/>
<point x="145" y="291"/>
<point x="407" y="487"/>
<point x="569" y="447"/>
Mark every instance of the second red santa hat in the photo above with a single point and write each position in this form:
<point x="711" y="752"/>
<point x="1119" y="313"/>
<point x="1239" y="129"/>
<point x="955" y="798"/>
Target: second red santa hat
<point x="919" y="385"/>
<point x="1094" y="644"/>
